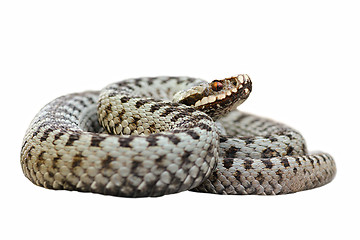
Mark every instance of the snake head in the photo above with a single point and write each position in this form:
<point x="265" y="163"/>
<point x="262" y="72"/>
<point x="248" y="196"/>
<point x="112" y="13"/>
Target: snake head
<point x="218" y="97"/>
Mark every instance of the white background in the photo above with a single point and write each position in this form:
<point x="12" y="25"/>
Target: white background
<point x="303" y="59"/>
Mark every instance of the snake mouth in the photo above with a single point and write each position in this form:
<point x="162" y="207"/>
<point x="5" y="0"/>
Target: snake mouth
<point x="229" y="91"/>
<point x="223" y="97"/>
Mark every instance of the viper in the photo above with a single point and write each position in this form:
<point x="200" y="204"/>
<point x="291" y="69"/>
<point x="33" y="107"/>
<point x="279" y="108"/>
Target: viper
<point x="153" y="136"/>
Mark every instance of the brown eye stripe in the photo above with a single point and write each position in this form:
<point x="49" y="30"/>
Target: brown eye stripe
<point x="217" y="86"/>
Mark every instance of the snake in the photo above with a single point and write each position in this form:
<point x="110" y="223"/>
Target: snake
<point x="152" y="136"/>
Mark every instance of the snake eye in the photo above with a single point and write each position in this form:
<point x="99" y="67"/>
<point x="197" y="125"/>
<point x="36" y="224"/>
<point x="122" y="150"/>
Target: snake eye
<point x="216" y="86"/>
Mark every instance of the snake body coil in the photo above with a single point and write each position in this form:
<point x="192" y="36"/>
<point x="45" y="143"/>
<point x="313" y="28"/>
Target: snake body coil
<point x="156" y="136"/>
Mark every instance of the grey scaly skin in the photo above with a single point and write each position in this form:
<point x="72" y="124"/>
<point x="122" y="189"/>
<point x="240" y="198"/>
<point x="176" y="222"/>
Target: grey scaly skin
<point x="155" y="136"/>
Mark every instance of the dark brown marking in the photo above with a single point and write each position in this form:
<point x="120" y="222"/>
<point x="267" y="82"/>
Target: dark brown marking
<point x="112" y="94"/>
<point x="260" y="178"/>
<point x="137" y="82"/>
<point x="193" y="134"/>
<point x="177" y="116"/>
<point x="159" y="159"/>
<point x="122" y="113"/>
<point x="231" y="152"/>
<point x="106" y="162"/>
<point x="204" y="127"/>
<point x="24" y="143"/>
<point x="152" y="139"/>
<point x="304" y="146"/>
<point x="51" y="174"/>
<point x="74" y="107"/>
<point x="317" y="160"/>
<point x="76" y="160"/>
<point x="72" y="139"/>
<point x="174" y="139"/>
<point x="155" y="107"/>
<point x="90" y="99"/>
<point x="311" y="161"/>
<point x="223" y="139"/>
<point x="108" y="107"/>
<point x="41" y="157"/>
<point x="289" y="151"/>
<point x="248" y="164"/>
<point x="151" y="81"/>
<point x="280" y="174"/>
<point x="164" y="81"/>
<point x="35" y="133"/>
<point x="45" y="135"/>
<point x="141" y="102"/>
<point x="55" y="161"/>
<point x="81" y="102"/>
<point x="272" y="139"/>
<point x="96" y="140"/>
<point x="285" y="162"/>
<point x="241" y="117"/>
<point x="152" y="128"/>
<point x="237" y="175"/>
<point x="124" y="99"/>
<point x="188" y="109"/>
<point x="185" y="156"/>
<point x="125" y="142"/>
<point x="269" y="153"/>
<point x="228" y="162"/>
<point x="268" y="164"/>
<point x="289" y="135"/>
<point x="136" y="119"/>
<point x="248" y="140"/>
<point x="167" y="111"/>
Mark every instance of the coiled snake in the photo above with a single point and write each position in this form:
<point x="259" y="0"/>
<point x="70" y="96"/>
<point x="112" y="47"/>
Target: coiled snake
<point x="155" y="136"/>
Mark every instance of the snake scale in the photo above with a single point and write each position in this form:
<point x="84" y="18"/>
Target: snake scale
<point x="153" y="136"/>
